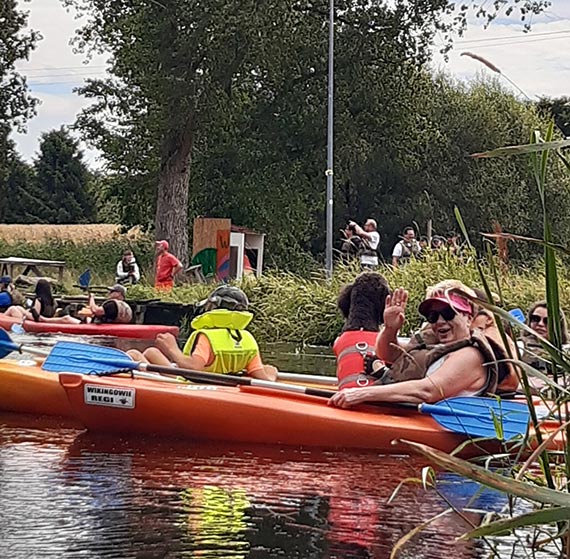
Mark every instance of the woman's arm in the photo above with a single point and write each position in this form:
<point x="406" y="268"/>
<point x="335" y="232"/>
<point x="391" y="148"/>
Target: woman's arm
<point x="462" y="371"/>
<point x="394" y="316"/>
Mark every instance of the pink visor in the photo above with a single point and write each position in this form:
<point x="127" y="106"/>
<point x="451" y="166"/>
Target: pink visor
<point x="456" y="302"/>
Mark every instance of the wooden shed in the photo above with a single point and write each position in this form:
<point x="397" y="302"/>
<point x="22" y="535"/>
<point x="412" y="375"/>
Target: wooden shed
<point x="226" y="251"/>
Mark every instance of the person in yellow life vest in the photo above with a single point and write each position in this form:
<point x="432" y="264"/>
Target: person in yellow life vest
<point x="219" y="343"/>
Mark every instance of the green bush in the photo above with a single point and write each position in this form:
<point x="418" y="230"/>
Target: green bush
<point x="288" y="307"/>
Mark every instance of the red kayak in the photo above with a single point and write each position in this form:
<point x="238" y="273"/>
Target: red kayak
<point x="141" y="331"/>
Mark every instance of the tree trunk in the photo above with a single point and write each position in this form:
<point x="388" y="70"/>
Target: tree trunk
<point x="171" y="220"/>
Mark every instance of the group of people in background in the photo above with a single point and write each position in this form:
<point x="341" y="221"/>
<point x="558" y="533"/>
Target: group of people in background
<point x="43" y="307"/>
<point x="363" y="243"/>
<point x="167" y="266"/>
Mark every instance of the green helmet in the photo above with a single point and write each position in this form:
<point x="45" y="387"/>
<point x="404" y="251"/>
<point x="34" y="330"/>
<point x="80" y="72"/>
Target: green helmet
<point x="227" y="297"/>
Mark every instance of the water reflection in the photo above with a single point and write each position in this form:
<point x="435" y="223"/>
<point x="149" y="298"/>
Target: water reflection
<point x="65" y="493"/>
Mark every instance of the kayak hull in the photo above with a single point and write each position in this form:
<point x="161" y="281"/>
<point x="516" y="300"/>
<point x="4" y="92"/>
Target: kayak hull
<point x="26" y="388"/>
<point x="248" y="414"/>
<point x="245" y="414"/>
<point x="140" y="331"/>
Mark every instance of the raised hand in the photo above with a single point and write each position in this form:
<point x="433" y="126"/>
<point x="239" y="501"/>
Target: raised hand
<point x="394" y="311"/>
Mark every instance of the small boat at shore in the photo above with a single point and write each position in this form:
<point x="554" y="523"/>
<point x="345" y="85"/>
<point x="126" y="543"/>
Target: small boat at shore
<point x="139" y="331"/>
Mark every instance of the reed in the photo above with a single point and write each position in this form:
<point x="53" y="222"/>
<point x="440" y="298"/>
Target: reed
<point x="546" y="521"/>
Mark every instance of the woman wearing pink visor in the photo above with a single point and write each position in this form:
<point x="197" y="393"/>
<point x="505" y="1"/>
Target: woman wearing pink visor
<point x="445" y="360"/>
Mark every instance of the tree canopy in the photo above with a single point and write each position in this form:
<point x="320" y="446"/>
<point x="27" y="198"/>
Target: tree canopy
<point x="16" y="104"/>
<point x="184" y="72"/>
<point x="219" y="109"/>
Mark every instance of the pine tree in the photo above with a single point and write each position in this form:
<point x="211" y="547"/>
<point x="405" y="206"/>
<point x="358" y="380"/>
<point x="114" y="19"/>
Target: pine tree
<point x="62" y="179"/>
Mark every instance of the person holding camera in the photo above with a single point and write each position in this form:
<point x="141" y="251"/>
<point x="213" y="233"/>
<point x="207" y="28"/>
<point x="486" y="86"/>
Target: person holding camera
<point x="127" y="269"/>
<point x="370" y="241"/>
<point x="351" y="246"/>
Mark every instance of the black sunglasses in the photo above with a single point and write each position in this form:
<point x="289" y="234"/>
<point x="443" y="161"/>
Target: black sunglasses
<point x="538" y="319"/>
<point x="447" y="313"/>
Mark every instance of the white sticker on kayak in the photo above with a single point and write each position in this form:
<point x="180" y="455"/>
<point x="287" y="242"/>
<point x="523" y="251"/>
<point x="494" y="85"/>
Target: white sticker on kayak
<point x="116" y="397"/>
<point x="197" y="387"/>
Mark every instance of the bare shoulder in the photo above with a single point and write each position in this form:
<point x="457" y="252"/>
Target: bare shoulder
<point x="467" y="356"/>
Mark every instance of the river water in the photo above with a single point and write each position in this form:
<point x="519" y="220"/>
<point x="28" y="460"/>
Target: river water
<point x="65" y="493"/>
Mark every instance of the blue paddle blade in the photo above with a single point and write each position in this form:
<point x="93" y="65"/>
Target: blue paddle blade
<point x="85" y="279"/>
<point x="7" y="346"/>
<point x="73" y="357"/>
<point x="518" y="314"/>
<point x="17" y="328"/>
<point x="481" y="417"/>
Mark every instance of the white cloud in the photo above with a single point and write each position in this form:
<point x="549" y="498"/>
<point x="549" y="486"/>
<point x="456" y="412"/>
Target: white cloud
<point x="53" y="71"/>
<point x="538" y="62"/>
<point x="55" y="110"/>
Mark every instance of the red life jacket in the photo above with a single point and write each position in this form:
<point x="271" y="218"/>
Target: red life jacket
<point x="350" y="349"/>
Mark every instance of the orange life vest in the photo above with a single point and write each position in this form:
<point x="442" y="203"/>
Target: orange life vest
<point x="351" y="348"/>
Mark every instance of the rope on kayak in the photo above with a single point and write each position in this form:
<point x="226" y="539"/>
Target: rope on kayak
<point x="130" y="372"/>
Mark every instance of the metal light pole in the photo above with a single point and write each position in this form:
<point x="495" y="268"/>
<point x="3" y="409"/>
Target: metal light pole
<point x="329" y="171"/>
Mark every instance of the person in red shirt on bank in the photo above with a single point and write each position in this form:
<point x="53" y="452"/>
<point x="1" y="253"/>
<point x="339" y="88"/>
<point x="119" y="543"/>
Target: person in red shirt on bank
<point x="167" y="266"/>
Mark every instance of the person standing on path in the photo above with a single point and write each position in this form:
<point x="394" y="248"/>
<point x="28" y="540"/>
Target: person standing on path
<point x="167" y="266"/>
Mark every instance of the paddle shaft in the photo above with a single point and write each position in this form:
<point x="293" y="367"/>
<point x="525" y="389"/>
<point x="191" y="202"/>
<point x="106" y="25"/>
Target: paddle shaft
<point x="233" y="380"/>
<point x="302" y="377"/>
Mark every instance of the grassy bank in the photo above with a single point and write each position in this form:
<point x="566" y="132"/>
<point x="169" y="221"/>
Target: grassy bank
<point x="292" y="309"/>
<point x="287" y="307"/>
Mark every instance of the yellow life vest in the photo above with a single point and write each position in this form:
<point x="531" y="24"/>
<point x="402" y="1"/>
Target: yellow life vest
<point x="233" y="346"/>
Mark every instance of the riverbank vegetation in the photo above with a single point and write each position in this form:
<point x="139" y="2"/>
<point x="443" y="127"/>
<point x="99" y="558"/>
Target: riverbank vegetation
<point x="289" y="307"/>
<point x="542" y="524"/>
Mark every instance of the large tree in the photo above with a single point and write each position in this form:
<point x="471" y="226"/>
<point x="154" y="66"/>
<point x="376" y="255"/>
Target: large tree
<point x="21" y="201"/>
<point x="238" y="91"/>
<point x="16" y="105"/>
<point x="184" y="68"/>
<point x="62" y="179"/>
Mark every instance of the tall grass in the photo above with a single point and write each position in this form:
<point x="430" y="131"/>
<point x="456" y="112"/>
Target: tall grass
<point x="289" y="308"/>
<point x="549" y="523"/>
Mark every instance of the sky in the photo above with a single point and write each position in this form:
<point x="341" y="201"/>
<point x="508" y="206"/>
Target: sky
<point x="537" y="63"/>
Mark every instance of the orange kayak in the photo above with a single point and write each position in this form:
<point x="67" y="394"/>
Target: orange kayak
<point x="26" y="388"/>
<point x="248" y="414"/>
<point x="244" y="414"/>
<point x="140" y="331"/>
